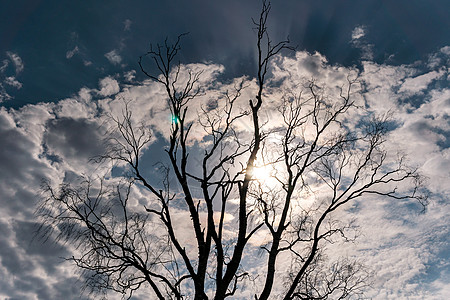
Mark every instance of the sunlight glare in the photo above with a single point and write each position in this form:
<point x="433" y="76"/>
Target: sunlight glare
<point x="264" y="175"/>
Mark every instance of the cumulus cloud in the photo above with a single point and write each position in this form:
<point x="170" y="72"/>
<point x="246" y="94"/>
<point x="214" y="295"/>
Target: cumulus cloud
<point x="113" y="57"/>
<point x="27" y="269"/>
<point x="56" y="141"/>
<point x="445" y="50"/>
<point x="108" y="86"/>
<point x="417" y="84"/>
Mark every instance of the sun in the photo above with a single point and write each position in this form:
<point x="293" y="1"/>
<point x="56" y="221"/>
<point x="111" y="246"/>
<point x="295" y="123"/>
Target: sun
<point x="265" y="175"/>
<point x="262" y="172"/>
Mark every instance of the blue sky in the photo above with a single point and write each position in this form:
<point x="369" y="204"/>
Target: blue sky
<point x="61" y="61"/>
<point x="45" y="33"/>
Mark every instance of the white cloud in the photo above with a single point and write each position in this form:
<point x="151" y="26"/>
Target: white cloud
<point x="130" y="75"/>
<point x="394" y="245"/>
<point x="442" y="57"/>
<point x="417" y="84"/>
<point x="423" y="133"/>
<point x="71" y="53"/>
<point x="359" y="42"/>
<point x="76" y="107"/>
<point x="3" y="94"/>
<point x="446" y="50"/>
<point x="358" y="32"/>
<point x="367" y="51"/>
<point x="17" y="61"/>
<point x="8" y="79"/>
<point x="12" y="81"/>
<point x="56" y="140"/>
<point x="381" y="83"/>
<point x="108" y="86"/>
<point x="114" y="57"/>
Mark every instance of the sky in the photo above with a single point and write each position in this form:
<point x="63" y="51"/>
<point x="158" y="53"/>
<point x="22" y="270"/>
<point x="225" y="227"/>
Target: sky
<point x="62" y="62"/>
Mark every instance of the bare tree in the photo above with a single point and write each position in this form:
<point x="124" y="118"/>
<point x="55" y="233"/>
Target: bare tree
<point x="312" y="154"/>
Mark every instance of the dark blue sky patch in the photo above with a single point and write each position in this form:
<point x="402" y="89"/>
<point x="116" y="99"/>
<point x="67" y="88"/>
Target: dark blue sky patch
<point x="414" y="101"/>
<point x="43" y="33"/>
<point x="366" y="124"/>
<point x="445" y="142"/>
<point x="424" y="128"/>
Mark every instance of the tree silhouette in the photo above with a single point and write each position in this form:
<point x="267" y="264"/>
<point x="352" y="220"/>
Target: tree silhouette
<point x="284" y="183"/>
